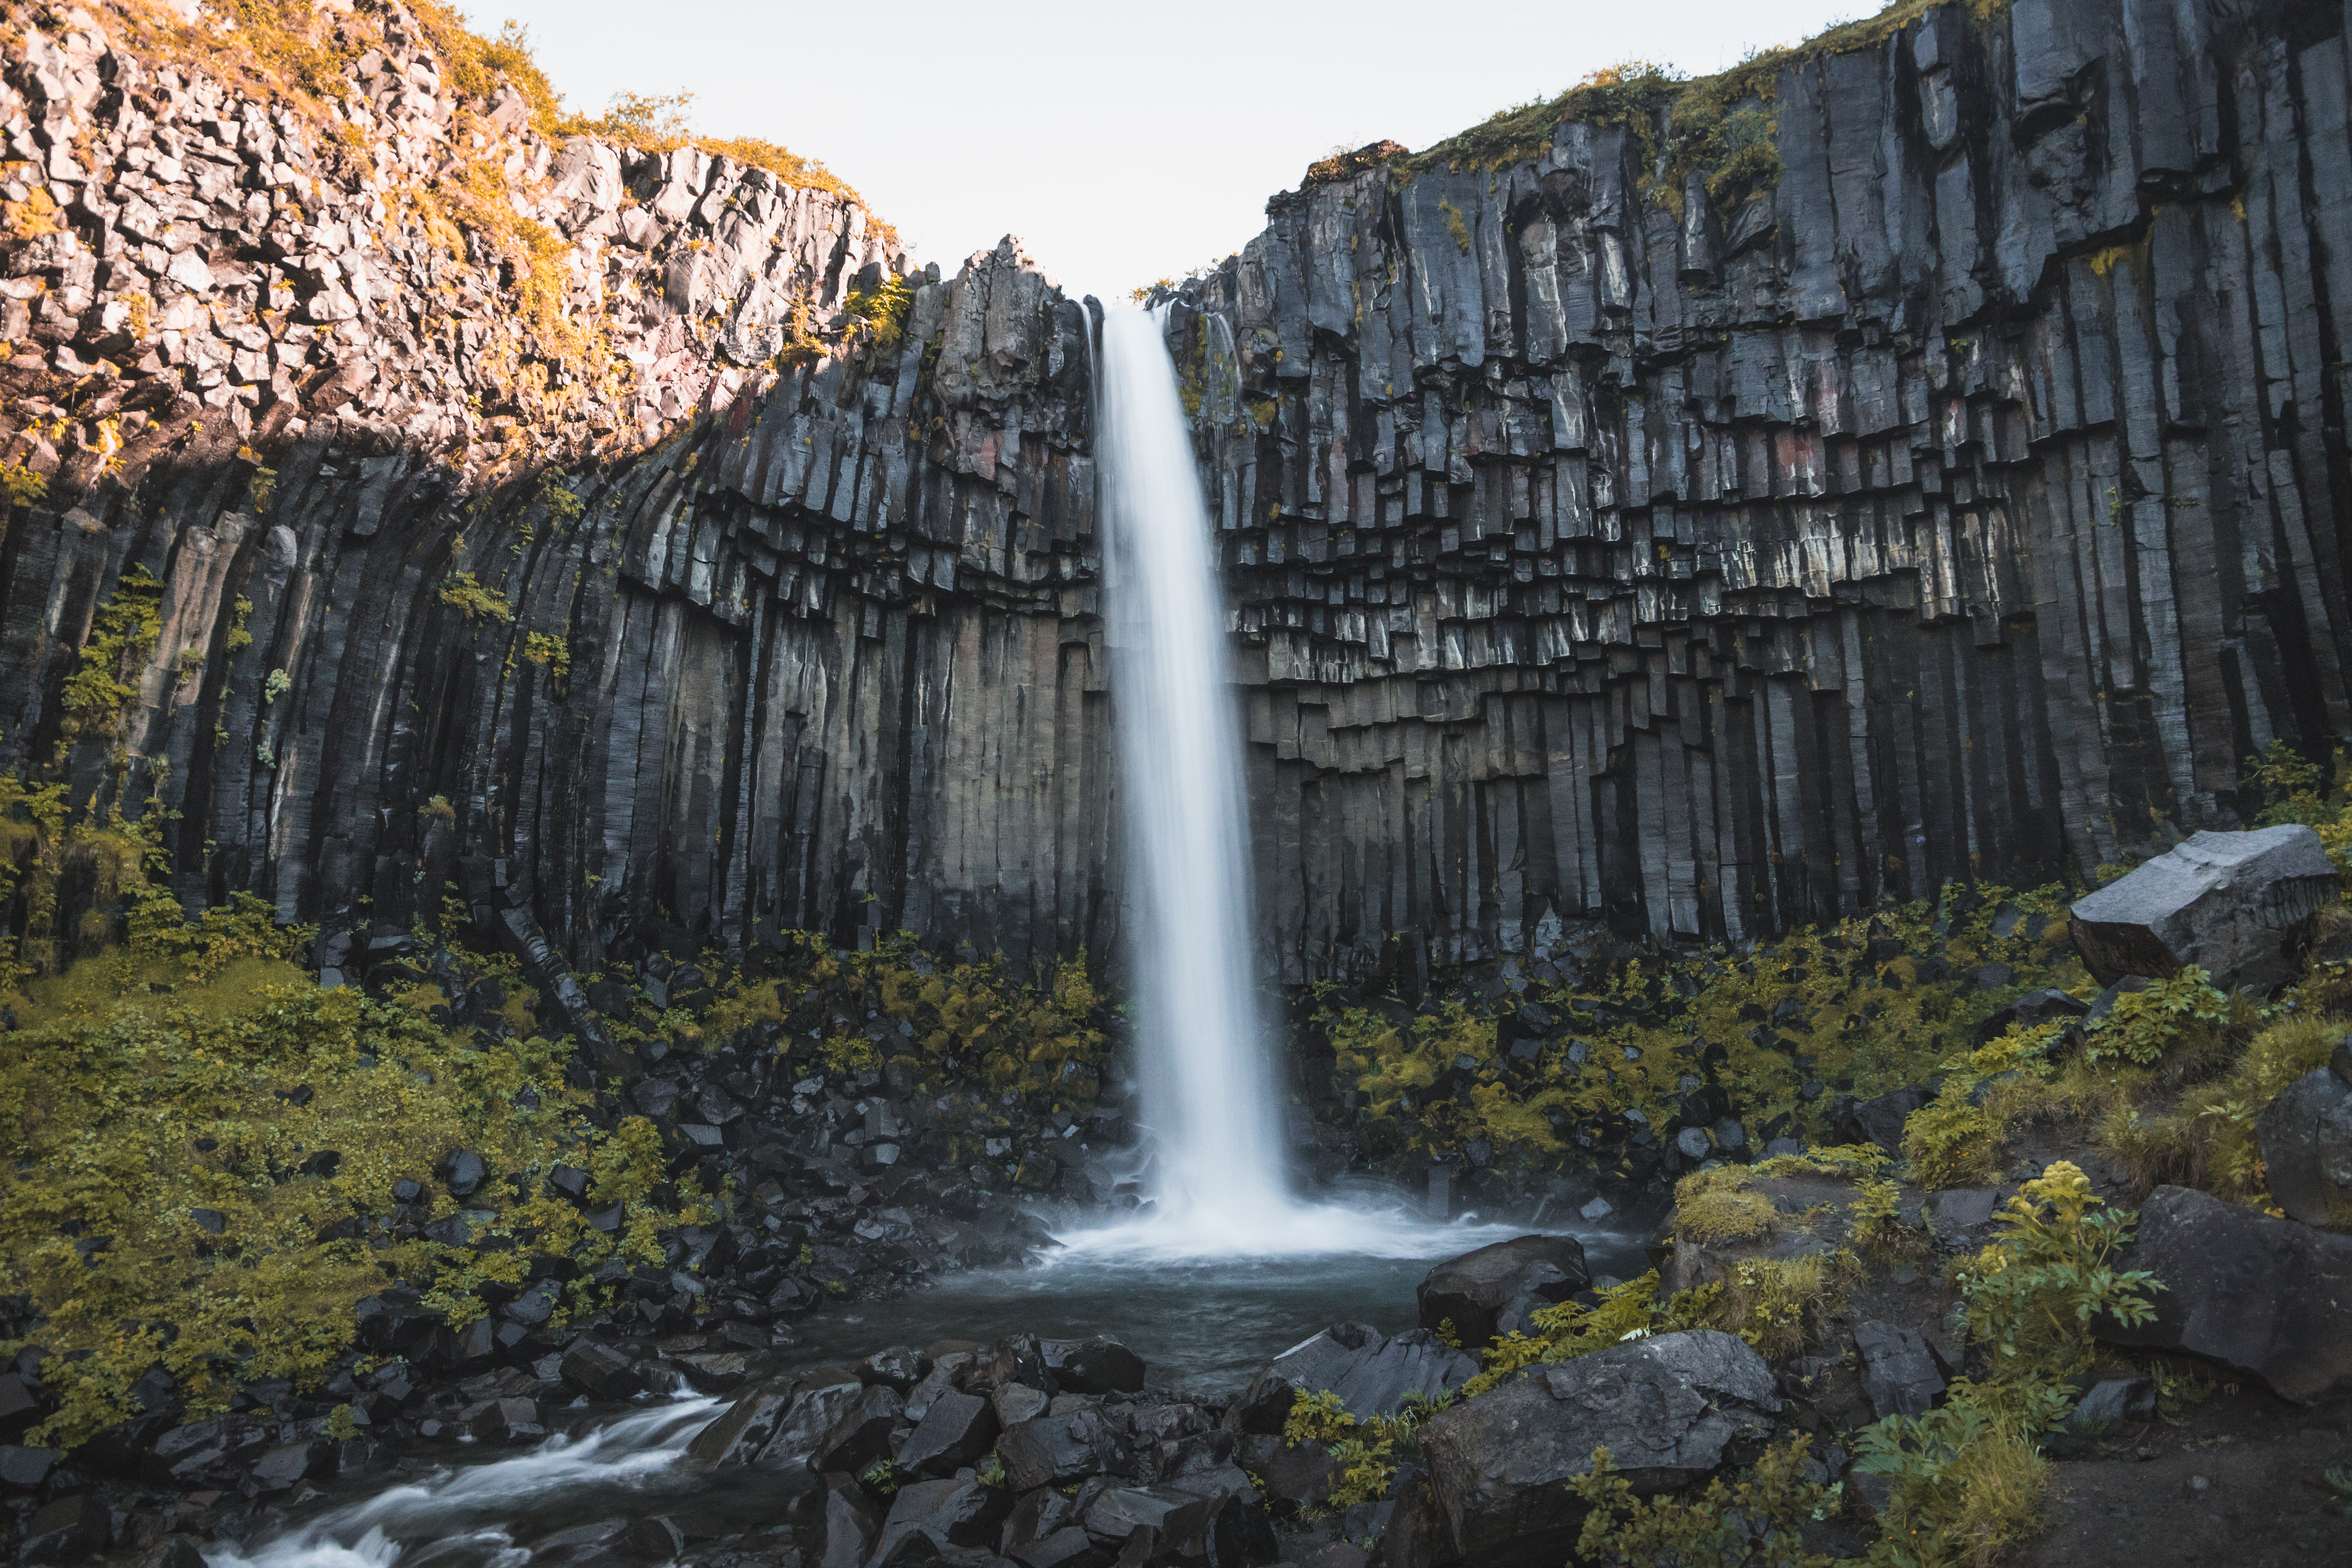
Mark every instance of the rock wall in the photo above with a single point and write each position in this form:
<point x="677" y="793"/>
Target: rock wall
<point x="709" y="610"/>
<point x="1969" y="503"/>
<point x="559" y="523"/>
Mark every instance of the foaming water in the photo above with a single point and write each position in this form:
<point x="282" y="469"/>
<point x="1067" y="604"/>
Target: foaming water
<point x="1284" y="1228"/>
<point x="1207" y="1083"/>
<point x="476" y="1514"/>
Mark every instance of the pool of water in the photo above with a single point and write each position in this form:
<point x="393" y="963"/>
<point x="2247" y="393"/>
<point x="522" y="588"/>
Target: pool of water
<point x="1203" y="1324"/>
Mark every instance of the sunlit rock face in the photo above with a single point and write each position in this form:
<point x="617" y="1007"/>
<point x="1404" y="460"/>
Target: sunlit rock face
<point x="1961" y="499"/>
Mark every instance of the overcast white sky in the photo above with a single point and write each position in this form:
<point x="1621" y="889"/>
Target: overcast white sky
<point x="1120" y="142"/>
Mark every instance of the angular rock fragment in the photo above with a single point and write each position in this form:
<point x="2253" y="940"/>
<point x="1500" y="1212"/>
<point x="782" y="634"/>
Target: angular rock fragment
<point x="1370" y="1372"/>
<point x="2231" y="903"/>
<point x="1670" y="1410"/>
<point x="2266" y="1297"/>
<point x="2306" y="1142"/>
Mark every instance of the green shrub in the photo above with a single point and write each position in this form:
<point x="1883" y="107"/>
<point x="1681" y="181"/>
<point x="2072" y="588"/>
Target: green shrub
<point x="1969" y="1478"/>
<point x="1757" y="1522"/>
<point x="2143" y="1026"/>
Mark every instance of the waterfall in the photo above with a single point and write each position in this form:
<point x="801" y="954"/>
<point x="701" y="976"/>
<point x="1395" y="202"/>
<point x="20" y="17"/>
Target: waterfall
<point x="1209" y="1089"/>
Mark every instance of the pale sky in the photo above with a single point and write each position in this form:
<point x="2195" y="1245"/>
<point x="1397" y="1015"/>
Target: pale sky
<point x="1120" y="142"/>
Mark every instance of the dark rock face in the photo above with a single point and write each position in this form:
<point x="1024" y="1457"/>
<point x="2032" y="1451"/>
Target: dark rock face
<point x="1475" y="1291"/>
<point x="2266" y="1297"/>
<point x="2231" y="902"/>
<point x="1670" y="1410"/>
<point x="1701" y="569"/>
<point x="1899" y="1374"/>
<point x="2307" y="1140"/>
<point x="1715" y="568"/>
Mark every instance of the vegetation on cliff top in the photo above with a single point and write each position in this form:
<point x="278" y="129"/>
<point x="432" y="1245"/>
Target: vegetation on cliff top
<point x="1720" y="127"/>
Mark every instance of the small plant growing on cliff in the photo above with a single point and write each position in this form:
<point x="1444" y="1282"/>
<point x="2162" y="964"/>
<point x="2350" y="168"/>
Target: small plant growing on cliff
<point x="22" y="486"/>
<point x="551" y="652"/>
<point x="277" y="685"/>
<point x="558" y="497"/>
<point x="880" y="312"/>
<point x="472" y="600"/>
<point x="439" y="809"/>
<point x="122" y="634"/>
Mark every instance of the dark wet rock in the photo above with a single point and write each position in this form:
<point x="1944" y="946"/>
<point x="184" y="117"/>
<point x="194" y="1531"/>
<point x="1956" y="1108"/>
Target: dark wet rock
<point x="1898" y="1372"/>
<point x="1017" y="1401"/>
<point x="25" y="1469"/>
<point x="599" y="1370"/>
<point x="1671" y="1410"/>
<point x="2112" y="1406"/>
<point x="715" y="1371"/>
<point x="2266" y="1297"/>
<point x="1049" y="1450"/>
<point x="900" y="1367"/>
<point x="2232" y="903"/>
<point x="851" y="1524"/>
<point x="860" y="1434"/>
<point x="2307" y="1142"/>
<point x="1476" y="1290"/>
<point x="19" y="1411"/>
<point x="1372" y="1374"/>
<point x="70" y="1530"/>
<point x="1098" y="1365"/>
<point x="955" y="1431"/>
<point x="744" y="1429"/>
<point x="1880" y="1119"/>
<point x="952" y="1512"/>
<point x="1069" y="1547"/>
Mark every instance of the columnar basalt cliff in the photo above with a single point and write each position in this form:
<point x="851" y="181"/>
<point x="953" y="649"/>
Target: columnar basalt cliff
<point x="1966" y="499"/>
<point x="1938" y="474"/>
<point x="624" y="541"/>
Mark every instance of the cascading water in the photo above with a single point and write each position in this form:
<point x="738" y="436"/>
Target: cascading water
<point x="1209" y="1091"/>
<point x="1209" y="1086"/>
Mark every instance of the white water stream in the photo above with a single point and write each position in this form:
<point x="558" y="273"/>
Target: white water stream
<point x="1210" y="1096"/>
<point x="473" y="1514"/>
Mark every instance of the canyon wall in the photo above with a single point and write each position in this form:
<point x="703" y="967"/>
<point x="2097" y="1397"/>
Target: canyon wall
<point x="692" y="608"/>
<point x="1967" y="501"/>
<point x="560" y="525"/>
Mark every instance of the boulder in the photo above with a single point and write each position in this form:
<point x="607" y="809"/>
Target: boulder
<point x="1880" y="1119"/>
<point x="70" y="1530"/>
<point x="1098" y="1365"/>
<point x="1898" y="1371"/>
<point x="2234" y="904"/>
<point x="1473" y="1291"/>
<point x="1052" y="1450"/>
<point x="601" y="1371"/>
<point x="2306" y="1138"/>
<point x="955" y="1431"/>
<point x="745" y="1427"/>
<point x="851" y="1523"/>
<point x="860" y="1434"/>
<point x="1670" y="1410"/>
<point x="2266" y="1297"/>
<point x="950" y="1513"/>
<point x="1370" y="1372"/>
